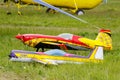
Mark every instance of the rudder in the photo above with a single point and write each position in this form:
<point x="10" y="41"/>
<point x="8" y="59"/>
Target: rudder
<point x="104" y="36"/>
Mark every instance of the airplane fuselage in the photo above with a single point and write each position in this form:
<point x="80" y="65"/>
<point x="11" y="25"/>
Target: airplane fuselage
<point x="80" y="4"/>
<point x="67" y="41"/>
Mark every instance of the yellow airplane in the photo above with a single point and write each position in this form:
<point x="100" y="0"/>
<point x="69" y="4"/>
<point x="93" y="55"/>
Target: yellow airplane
<point x="77" y="6"/>
<point x="96" y="56"/>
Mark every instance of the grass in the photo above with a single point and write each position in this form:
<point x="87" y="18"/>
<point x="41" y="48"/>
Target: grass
<point x="34" y="21"/>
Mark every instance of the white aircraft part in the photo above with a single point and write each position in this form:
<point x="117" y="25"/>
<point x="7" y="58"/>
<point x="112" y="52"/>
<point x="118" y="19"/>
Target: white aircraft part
<point x="56" y="62"/>
<point x="21" y="59"/>
<point x="99" y="53"/>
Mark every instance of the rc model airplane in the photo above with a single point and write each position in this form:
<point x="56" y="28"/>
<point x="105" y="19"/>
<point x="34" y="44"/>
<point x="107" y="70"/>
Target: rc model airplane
<point x="95" y="56"/>
<point x="77" y="6"/>
<point x="67" y="41"/>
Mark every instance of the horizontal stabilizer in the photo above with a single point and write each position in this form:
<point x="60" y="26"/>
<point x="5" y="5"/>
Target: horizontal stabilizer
<point x="97" y="53"/>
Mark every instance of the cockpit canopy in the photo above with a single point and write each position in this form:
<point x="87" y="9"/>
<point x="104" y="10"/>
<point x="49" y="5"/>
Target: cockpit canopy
<point x="67" y="36"/>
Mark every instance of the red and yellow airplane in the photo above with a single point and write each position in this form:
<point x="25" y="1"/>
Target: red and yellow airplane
<point x="77" y="6"/>
<point x="67" y="41"/>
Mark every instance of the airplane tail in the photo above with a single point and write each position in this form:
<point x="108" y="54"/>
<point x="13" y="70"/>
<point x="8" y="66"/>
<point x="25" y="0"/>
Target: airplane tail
<point x="104" y="36"/>
<point x="97" y="53"/>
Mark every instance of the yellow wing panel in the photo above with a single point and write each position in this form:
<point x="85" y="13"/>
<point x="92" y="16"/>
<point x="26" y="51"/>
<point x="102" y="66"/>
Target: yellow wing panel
<point x="86" y="4"/>
<point x="81" y="4"/>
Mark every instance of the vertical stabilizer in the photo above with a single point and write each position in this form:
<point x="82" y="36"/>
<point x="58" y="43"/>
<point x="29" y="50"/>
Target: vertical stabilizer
<point x="104" y="37"/>
<point x="97" y="53"/>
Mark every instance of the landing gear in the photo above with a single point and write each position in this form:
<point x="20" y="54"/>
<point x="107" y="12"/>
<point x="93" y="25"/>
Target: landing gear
<point x="50" y="10"/>
<point x="19" y="13"/>
<point x="8" y="13"/>
<point x="80" y="12"/>
<point x="37" y="49"/>
<point x="41" y="49"/>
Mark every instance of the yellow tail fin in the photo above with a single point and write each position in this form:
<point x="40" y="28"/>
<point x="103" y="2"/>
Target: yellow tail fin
<point x="104" y="36"/>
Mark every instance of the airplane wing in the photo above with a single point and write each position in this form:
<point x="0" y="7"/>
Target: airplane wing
<point x="42" y="61"/>
<point x="59" y="10"/>
<point x="45" y="61"/>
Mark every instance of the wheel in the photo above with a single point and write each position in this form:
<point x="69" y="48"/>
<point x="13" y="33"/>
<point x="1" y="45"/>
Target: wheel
<point x="50" y="10"/>
<point x="8" y="13"/>
<point x="79" y="12"/>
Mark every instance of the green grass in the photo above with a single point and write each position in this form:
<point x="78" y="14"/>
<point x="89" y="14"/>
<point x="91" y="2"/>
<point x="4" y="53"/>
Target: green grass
<point x="34" y="21"/>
